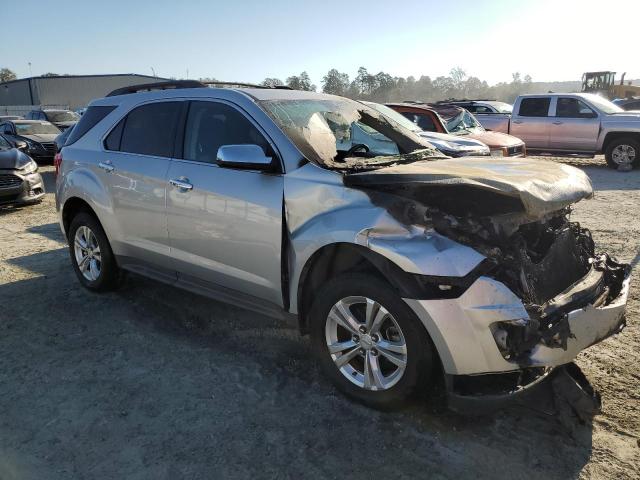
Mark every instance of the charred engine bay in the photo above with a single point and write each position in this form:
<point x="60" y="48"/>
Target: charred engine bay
<point x="550" y="263"/>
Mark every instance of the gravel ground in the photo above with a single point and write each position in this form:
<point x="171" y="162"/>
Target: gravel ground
<point x="149" y="382"/>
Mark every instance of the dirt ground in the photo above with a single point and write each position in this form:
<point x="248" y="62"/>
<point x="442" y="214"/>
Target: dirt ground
<point x="149" y="382"/>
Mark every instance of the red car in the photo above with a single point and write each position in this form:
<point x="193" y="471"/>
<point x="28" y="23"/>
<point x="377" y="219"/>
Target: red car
<point x="455" y="120"/>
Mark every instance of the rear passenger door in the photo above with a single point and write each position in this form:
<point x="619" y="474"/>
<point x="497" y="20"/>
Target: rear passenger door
<point x="225" y="227"/>
<point x="134" y="166"/>
<point x="532" y="121"/>
<point x="575" y="126"/>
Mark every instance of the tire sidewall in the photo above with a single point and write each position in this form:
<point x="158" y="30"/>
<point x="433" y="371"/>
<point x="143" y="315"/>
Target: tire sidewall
<point x="108" y="267"/>
<point x="419" y="347"/>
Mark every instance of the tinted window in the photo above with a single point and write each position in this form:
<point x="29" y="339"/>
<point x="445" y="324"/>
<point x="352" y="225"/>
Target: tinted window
<point x="112" y="142"/>
<point x="150" y="129"/>
<point x="423" y="120"/>
<point x="88" y="121"/>
<point x="632" y="106"/>
<point x="573" y="108"/>
<point x="481" y="109"/>
<point x="535" y="107"/>
<point x="211" y="125"/>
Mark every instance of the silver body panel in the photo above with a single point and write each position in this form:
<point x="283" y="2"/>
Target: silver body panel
<point x="219" y="231"/>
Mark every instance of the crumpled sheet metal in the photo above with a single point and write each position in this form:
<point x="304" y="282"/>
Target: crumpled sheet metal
<point x="542" y="186"/>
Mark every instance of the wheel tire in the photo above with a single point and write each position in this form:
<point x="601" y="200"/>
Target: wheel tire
<point x="419" y="348"/>
<point x="630" y="143"/>
<point x="109" y="274"/>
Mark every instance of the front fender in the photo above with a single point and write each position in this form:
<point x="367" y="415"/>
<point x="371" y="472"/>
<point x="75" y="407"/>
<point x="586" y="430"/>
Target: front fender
<point x="320" y="213"/>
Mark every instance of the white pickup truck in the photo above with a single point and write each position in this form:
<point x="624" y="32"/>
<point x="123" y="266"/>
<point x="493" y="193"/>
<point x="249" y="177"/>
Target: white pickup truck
<point x="572" y="123"/>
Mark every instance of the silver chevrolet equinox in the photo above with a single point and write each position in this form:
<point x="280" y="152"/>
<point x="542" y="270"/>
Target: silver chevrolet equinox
<point x="407" y="268"/>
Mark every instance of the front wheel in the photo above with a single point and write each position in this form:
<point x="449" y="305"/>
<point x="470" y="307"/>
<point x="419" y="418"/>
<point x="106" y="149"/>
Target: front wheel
<point x="623" y="153"/>
<point x="369" y="342"/>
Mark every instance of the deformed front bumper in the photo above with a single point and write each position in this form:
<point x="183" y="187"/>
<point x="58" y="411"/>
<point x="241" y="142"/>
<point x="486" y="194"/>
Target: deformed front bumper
<point x="462" y="328"/>
<point x="18" y="188"/>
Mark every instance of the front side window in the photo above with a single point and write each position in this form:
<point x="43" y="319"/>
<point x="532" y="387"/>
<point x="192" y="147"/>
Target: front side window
<point x="210" y="125"/>
<point x="535" y="107"/>
<point x="573" y="108"/>
<point x="150" y="129"/>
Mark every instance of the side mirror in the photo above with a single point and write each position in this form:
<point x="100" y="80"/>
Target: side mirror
<point x="249" y="157"/>
<point x="20" y="145"/>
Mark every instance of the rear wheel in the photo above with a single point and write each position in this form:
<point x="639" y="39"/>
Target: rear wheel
<point x="91" y="254"/>
<point x="623" y="153"/>
<point x="369" y="342"/>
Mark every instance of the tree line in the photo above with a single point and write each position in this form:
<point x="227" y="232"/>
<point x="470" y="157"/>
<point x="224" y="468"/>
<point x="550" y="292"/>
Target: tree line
<point x="383" y="87"/>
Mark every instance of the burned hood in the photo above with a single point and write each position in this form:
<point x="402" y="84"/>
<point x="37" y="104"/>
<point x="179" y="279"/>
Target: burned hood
<point x="480" y="185"/>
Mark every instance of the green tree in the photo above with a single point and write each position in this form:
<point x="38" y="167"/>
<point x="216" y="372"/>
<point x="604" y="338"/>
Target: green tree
<point x="301" y="82"/>
<point x="7" y="75"/>
<point x="272" y="82"/>
<point x="335" y="83"/>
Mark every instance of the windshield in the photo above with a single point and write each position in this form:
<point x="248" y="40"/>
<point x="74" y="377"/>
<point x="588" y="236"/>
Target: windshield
<point x="342" y="133"/>
<point x="395" y="116"/>
<point x="502" y="107"/>
<point x="62" y="116"/>
<point x="464" y="122"/>
<point x="36" y="128"/>
<point x="602" y="104"/>
<point x="4" y="144"/>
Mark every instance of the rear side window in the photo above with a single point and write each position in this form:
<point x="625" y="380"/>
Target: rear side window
<point x="535" y="107"/>
<point x="89" y="120"/>
<point x="149" y="130"/>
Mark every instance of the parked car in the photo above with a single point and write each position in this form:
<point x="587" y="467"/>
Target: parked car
<point x="628" y="103"/>
<point x="5" y="118"/>
<point x="480" y="106"/>
<point x="38" y="135"/>
<point x="20" y="182"/>
<point x="573" y="123"/>
<point x="61" y="139"/>
<point x="450" y="145"/>
<point x="62" y="119"/>
<point x="396" y="265"/>
<point x="458" y="121"/>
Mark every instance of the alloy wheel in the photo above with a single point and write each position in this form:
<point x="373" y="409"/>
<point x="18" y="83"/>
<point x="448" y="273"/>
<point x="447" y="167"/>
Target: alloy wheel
<point x="366" y="343"/>
<point x="623" y="155"/>
<point x="87" y="253"/>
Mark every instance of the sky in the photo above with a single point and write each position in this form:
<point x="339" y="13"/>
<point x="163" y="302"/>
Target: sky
<point x="250" y="40"/>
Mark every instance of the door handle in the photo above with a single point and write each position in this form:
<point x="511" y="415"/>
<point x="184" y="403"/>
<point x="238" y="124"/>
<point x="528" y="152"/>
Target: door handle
<point x="106" y="166"/>
<point x="181" y="183"/>
<point x="557" y="123"/>
<point x="517" y="121"/>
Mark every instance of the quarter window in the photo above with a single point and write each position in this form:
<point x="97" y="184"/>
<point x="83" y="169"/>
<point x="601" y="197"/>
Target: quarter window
<point x="147" y="130"/>
<point x="535" y="107"/>
<point x="211" y="125"/>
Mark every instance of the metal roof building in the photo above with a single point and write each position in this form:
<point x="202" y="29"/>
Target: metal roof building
<point x="72" y="91"/>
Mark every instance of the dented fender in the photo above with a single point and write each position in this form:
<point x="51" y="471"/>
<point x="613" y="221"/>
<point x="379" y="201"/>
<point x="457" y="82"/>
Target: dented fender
<point x="322" y="213"/>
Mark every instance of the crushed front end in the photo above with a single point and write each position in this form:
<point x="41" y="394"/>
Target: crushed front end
<point x="544" y="293"/>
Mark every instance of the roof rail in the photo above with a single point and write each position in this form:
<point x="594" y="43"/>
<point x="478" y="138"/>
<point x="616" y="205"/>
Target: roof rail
<point x="147" y="87"/>
<point x="176" y="84"/>
<point x="248" y="85"/>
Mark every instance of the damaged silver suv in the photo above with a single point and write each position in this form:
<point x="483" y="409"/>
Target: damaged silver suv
<point x="401" y="264"/>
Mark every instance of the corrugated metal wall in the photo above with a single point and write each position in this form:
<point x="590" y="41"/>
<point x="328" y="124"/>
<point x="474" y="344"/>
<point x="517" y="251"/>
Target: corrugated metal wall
<point x="73" y="91"/>
<point x="16" y="93"/>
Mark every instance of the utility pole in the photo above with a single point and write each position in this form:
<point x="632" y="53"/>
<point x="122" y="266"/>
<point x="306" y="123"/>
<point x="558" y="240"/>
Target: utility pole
<point x="30" y="72"/>
<point x="153" y="71"/>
